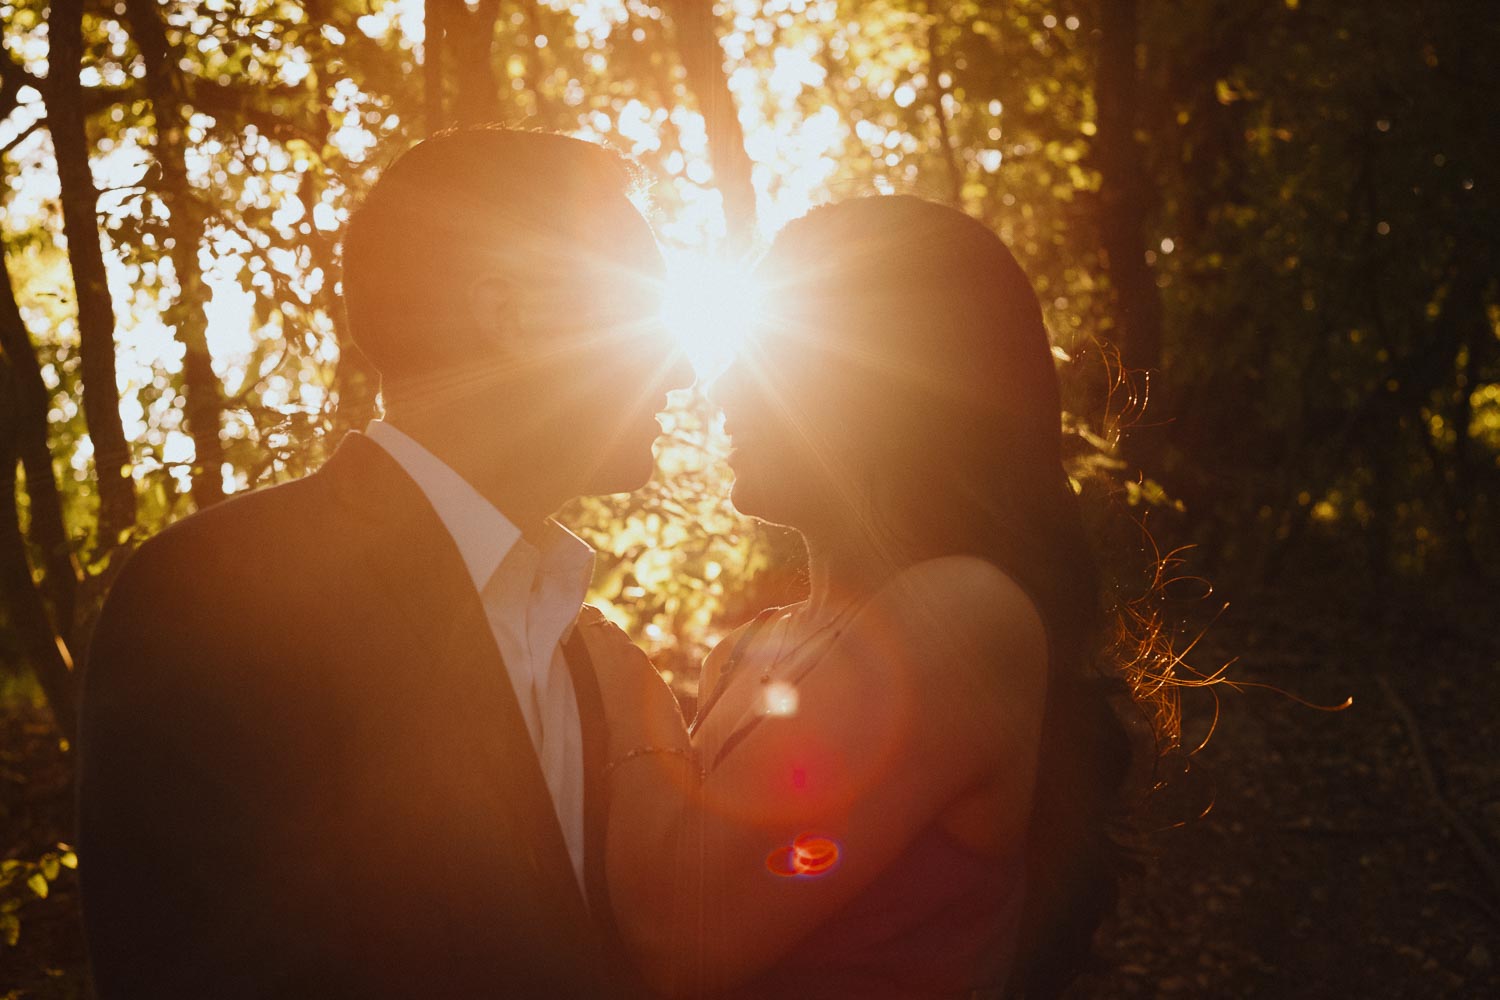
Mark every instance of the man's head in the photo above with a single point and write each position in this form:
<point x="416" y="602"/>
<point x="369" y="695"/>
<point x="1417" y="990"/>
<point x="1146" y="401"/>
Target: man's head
<point x="504" y="279"/>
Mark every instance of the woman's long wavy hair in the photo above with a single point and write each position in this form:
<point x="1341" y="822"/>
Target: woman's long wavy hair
<point x="942" y="332"/>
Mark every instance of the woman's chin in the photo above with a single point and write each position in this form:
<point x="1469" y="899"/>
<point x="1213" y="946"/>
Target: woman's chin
<point x="741" y="495"/>
<point x="750" y="501"/>
<point x="759" y="489"/>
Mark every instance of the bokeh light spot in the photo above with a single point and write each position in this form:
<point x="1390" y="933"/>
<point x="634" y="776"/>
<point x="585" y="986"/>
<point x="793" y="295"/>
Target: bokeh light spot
<point x="779" y="698"/>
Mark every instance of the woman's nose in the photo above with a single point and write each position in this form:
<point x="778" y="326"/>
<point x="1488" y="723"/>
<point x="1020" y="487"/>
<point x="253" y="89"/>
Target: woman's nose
<point x="726" y="389"/>
<point x="680" y="372"/>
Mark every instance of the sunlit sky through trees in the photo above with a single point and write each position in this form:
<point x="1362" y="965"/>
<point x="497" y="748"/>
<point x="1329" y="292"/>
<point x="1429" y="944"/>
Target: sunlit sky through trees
<point x="1263" y="235"/>
<point x="795" y="154"/>
<point x="1281" y="210"/>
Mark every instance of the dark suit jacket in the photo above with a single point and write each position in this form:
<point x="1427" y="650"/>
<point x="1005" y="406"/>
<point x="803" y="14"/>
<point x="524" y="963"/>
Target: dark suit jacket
<point x="303" y="771"/>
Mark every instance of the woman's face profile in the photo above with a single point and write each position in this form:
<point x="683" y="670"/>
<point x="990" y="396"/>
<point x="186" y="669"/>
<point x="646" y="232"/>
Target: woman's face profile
<point x="870" y="359"/>
<point x="794" y="413"/>
<point x="753" y="394"/>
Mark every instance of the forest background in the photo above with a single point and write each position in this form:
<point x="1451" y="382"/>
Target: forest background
<point x="1264" y="233"/>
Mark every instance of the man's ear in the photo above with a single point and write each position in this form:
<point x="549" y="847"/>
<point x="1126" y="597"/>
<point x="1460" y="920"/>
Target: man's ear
<point x="494" y="310"/>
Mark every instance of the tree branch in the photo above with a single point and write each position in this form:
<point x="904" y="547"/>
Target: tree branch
<point x="22" y="136"/>
<point x="96" y="318"/>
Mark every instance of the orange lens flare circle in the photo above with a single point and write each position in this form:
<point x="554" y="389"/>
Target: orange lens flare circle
<point x="808" y="856"/>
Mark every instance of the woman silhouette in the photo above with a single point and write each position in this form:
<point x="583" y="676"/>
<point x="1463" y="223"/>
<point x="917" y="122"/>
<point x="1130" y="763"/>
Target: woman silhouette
<point x="900" y="786"/>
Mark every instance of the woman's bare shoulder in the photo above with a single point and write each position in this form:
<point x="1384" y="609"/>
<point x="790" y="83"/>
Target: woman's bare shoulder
<point x="965" y="582"/>
<point x="970" y="603"/>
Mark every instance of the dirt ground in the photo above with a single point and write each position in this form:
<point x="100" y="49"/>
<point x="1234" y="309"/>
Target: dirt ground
<point x="1326" y="867"/>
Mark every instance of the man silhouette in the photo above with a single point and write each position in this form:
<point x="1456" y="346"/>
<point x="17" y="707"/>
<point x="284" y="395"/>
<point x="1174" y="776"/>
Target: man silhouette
<point x="338" y="736"/>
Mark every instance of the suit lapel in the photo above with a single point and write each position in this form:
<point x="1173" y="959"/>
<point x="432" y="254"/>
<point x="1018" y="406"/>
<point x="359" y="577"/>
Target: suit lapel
<point x="417" y="564"/>
<point x="595" y="742"/>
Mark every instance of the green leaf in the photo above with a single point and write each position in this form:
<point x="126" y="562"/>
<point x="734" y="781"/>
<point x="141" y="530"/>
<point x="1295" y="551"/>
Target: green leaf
<point x="38" y="884"/>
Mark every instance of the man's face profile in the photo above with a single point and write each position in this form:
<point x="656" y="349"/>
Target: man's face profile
<point x="507" y="277"/>
<point x="601" y="354"/>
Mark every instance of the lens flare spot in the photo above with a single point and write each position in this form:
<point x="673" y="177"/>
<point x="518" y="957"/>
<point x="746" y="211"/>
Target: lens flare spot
<point x="778" y="698"/>
<point x="808" y="857"/>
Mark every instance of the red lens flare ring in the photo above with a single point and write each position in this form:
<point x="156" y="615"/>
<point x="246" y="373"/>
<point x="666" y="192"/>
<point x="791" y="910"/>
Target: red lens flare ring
<point x="807" y="857"/>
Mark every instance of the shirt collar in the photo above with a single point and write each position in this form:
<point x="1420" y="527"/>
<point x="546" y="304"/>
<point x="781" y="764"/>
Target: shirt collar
<point x="567" y="558"/>
<point x="483" y="534"/>
<point x="565" y="571"/>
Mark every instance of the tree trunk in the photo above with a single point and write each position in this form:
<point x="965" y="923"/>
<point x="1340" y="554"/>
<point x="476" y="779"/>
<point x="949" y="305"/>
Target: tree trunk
<point x="356" y="382"/>
<point x="29" y="416"/>
<point x="703" y="60"/>
<point x="432" y="65"/>
<point x="1470" y="311"/>
<point x="537" y="66"/>
<point x="1122" y="210"/>
<point x="96" y="316"/>
<point x="935" y="72"/>
<point x="25" y="611"/>
<point x="471" y="35"/>
<point x="204" y="396"/>
<point x="1462" y="335"/>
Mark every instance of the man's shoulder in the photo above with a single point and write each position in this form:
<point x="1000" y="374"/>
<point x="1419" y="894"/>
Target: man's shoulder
<point x="217" y="565"/>
<point x="259" y="525"/>
<point x="246" y="582"/>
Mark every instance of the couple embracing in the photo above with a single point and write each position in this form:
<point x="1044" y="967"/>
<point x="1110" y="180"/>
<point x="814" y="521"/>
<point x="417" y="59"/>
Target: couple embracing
<point x="358" y="736"/>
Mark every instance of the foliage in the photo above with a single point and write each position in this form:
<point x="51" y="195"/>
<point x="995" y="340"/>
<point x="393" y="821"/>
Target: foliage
<point x="1315" y="216"/>
<point x="22" y="881"/>
<point x="1284" y="209"/>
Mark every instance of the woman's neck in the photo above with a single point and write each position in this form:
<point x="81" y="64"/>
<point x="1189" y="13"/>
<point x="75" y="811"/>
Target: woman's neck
<point x="841" y="571"/>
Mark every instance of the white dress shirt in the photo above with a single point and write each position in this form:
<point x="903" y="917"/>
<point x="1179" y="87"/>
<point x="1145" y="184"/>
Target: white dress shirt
<point x="531" y="596"/>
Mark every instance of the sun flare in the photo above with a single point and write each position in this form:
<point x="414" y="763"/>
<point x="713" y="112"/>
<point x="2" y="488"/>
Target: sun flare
<point x="711" y="306"/>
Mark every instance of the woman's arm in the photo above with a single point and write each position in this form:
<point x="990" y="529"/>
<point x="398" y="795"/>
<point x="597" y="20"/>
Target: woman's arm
<point x="939" y="685"/>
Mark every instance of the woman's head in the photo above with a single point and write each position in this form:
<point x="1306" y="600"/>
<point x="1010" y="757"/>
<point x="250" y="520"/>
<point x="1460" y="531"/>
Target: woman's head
<point x="899" y="334"/>
<point x="902" y="385"/>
